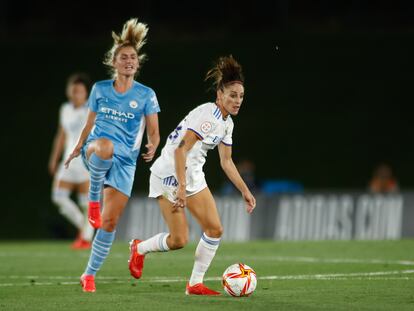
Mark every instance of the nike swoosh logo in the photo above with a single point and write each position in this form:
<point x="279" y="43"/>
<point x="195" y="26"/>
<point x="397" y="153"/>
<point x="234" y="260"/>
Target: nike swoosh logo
<point x="91" y="220"/>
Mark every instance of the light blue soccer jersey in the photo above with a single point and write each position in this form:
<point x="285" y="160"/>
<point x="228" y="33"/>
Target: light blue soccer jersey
<point x="121" y="117"/>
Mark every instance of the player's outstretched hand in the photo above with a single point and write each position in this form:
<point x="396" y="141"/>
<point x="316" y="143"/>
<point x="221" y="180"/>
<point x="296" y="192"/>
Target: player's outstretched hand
<point x="250" y="201"/>
<point x="180" y="201"/>
<point x="149" y="155"/>
<point x="75" y="153"/>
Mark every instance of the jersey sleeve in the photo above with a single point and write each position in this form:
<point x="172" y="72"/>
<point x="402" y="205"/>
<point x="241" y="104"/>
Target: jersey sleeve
<point x="200" y="121"/>
<point x="151" y="105"/>
<point x="92" y="102"/>
<point x="228" y="139"/>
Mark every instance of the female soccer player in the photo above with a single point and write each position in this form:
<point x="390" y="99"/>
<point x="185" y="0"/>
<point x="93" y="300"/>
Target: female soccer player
<point x="119" y="110"/>
<point x="72" y="118"/>
<point x="177" y="179"/>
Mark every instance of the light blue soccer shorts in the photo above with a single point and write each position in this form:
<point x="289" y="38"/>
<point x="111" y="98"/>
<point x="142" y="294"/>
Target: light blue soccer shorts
<point x="120" y="176"/>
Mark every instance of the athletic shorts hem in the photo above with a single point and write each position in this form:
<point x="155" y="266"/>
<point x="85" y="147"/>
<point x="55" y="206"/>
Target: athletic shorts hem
<point x="157" y="188"/>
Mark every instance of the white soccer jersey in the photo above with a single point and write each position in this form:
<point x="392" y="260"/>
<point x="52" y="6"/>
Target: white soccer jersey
<point x="72" y="121"/>
<point x="207" y="122"/>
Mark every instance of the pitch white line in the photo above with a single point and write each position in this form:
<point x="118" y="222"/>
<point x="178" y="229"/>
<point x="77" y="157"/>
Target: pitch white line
<point x="344" y="260"/>
<point x="335" y="275"/>
<point x="330" y="276"/>
<point x="310" y="260"/>
<point x="113" y="278"/>
<point x="226" y="258"/>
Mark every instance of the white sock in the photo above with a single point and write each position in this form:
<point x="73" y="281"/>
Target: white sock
<point x="68" y="208"/>
<point x="157" y="243"/>
<point x="204" y="254"/>
<point x="87" y="230"/>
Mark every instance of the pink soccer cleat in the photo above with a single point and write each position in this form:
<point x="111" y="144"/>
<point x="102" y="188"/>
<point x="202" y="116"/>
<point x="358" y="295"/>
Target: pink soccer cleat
<point x="136" y="260"/>
<point x="88" y="283"/>
<point x="200" y="289"/>
<point x="80" y="244"/>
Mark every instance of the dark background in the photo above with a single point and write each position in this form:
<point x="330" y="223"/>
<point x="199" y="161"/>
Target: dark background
<point x="328" y="87"/>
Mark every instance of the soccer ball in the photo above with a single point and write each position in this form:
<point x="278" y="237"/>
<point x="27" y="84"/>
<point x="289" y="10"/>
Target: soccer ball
<point x="239" y="280"/>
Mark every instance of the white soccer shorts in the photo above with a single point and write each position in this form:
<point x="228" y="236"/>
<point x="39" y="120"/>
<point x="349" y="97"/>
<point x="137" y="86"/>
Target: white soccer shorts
<point x="167" y="187"/>
<point x="76" y="173"/>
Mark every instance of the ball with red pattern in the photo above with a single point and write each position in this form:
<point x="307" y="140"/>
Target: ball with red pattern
<point x="239" y="280"/>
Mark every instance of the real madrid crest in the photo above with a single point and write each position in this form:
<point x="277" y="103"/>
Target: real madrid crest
<point x="206" y="127"/>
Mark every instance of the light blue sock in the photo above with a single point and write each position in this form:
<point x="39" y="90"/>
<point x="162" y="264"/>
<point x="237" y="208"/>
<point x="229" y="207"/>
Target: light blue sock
<point x="100" y="250"/>
<point x="97" y="169"/>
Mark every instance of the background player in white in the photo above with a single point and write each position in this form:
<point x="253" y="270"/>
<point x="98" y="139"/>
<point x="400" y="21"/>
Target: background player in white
<point x="177" y="179"/>
<point x="119" y="111"/>
<point x="72" y="118"/>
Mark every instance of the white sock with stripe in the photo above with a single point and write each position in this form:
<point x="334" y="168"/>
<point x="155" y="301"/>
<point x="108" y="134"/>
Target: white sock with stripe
<point x="157" y="243"/>
<point x="204" y="254"/>
<point x="68" y="208"/>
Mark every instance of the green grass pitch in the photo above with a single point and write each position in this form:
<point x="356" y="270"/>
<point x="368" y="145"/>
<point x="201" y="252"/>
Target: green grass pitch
<point x="327" y="275"/>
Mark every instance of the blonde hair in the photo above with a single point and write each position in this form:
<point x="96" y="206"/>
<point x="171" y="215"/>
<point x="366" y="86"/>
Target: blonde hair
<point x="133" y="34"/>
<point x="226" y="70"/>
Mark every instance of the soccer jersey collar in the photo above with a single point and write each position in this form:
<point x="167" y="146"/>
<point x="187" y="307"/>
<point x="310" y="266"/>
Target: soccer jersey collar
<point x="85" y="104"/>
<point x="217" y="113"/>
<point x="118" y="94"/>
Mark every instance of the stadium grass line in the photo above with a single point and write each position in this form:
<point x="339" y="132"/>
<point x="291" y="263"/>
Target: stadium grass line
<point x="330" y="276"/>
<point x="225" y="258"/>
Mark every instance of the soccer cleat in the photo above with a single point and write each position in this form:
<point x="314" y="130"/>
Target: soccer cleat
<point x="136" y="260"/>
<point x="200" y="289"/>
<point x="80" y="243"/>
<point x="88" y="283"/>
<point x="94" y="214"/>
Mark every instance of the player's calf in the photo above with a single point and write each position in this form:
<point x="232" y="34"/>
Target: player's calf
<point x="177" y="242"/>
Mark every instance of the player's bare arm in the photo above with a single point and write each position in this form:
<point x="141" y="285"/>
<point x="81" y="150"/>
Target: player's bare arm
<point x="185" y="145"/>
<point x="232" y="173"/>
<point x="85" y="132"/>
<point x="57" y="150"/>
<point x="153" y="137"/>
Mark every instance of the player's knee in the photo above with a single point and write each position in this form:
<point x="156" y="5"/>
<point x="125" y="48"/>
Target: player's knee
<point x="83" y="200"/>
<point x="59" y="195"/>
<point x="178" y="242"/>
<point x="215" y="232"/>
<point x="104" y="148"/>
<point x="55" y="199"/>
<point x="60" y="204"/>
<point x="63" y="204"/>
<point x="109" y="224"/>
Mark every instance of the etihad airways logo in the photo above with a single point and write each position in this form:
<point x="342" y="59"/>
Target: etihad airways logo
<point x="116" y="115"/>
